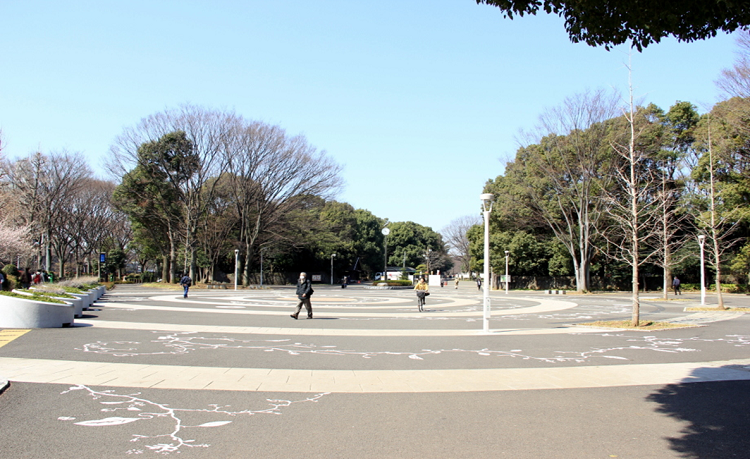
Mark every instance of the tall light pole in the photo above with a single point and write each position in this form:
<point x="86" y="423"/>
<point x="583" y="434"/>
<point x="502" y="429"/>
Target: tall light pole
<point x="333" y="255"/>
<point x="507" y="276"/>
<point x="487" y="208"/>
<point x="385" y="232"/>
<point x="702" y="242"/>
<point x="236" y="263"/>
<point x="261" y="267"/>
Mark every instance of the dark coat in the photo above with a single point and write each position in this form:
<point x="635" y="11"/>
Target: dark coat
<point x="304" y="288"/>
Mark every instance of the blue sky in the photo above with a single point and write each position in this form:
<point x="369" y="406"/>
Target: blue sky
<point x="420" y="101"/>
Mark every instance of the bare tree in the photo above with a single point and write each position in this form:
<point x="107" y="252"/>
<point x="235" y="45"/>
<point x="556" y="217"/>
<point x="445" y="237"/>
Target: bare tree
<point x="673" y="227"/>
<point x="723" y="140"/>
<point x="564" y="175"/>
<point x="630" y="204"/>
<point x="735" y="82"/>
<point x="267" y="171"/>
<point x="15" y="242"/>
<point x="208" y="132"/>
<point x="456" y="238"/>
<point x="42" y="185"/>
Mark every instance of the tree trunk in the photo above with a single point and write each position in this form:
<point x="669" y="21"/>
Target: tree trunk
<point x="717" y="257"/>
<point x="165" y="268"/>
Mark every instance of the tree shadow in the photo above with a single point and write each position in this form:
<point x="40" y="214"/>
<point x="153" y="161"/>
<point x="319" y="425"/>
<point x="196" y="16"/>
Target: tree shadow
<point x="717" y="413"/>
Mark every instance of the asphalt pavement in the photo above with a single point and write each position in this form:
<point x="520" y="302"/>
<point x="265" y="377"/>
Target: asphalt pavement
<point x="230" y="374"/>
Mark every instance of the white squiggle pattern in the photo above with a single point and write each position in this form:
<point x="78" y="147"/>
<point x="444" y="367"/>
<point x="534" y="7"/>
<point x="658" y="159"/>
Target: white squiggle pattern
<point x="179" y="343"/>
<point x="136" y="408"/>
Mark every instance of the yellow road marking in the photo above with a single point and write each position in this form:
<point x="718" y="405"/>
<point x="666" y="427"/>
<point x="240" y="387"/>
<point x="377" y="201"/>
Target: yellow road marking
<point x="9" y="334"/>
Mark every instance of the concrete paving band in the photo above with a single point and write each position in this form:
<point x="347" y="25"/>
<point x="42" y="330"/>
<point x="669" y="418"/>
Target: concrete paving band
<point x="366" y="381"/>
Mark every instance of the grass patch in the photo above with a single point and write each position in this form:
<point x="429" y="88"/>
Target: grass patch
<point x="33" y="297"/>
<point x="644" y="325"/>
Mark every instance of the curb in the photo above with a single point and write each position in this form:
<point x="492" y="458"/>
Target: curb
<point x="4" y="384"/>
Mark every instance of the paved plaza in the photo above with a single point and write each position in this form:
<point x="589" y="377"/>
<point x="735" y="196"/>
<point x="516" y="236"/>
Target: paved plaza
<point x="229" y="374"/>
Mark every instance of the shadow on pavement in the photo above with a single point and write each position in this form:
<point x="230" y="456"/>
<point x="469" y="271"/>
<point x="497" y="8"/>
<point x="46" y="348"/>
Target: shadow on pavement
<point x="716" y="416"/>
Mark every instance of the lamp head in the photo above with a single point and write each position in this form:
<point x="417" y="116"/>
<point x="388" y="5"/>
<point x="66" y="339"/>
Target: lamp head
<point x="701" y="238"/>
<point x="236" y="252"/>
<point x="486" y="197"/>
<point x="507" y="252"/>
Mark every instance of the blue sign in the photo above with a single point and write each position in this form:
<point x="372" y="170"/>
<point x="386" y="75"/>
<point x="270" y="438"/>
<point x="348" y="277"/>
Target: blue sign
<point x="102" y="258"/>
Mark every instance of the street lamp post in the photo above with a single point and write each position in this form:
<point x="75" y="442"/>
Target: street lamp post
<point x="333" y="255"/>
<point x="507" y="277"/>
<point x="385" y="232"/>
<point x="487" y="208"/>
<point x="261" y="267"/>
<point x="702" y="242"/>
<point x="236" y="263"/>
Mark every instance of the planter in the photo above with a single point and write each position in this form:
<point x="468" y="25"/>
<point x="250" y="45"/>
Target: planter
<point x="22" y="313"/>
<point x="76" y="302"/>
<point x="87" y="298"/>
<point x="77" y="305"/>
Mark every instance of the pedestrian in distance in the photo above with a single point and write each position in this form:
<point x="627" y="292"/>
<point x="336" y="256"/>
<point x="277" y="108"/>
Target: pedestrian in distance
<point x="479" y="284"/>
<point x="26" y="279"/>
<point x="186" y="282"/>
<point x="456" y="281"/>
<point x="304" y="292"/>
<point x="422" y="291"/>
<point x="676" y="285"/>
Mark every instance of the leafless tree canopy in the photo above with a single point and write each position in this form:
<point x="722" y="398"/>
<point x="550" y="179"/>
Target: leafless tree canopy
<point x="735" y="81"/>
<point x="455" y="235"/>
<point x="54" y="200"/>
<point x="249" y="171"/>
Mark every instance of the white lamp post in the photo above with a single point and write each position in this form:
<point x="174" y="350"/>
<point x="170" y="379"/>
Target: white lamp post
<point x="236" y="263"/>
<point x="487" y="208"/>
<point x="333" y="255"/>
<point x="507" y="277"/>
<point x="261" y="267"/>
<point x="385" y="232"/>
<point x="702" y="242"/>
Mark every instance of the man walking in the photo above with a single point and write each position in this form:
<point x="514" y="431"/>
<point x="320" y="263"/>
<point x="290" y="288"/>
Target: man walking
<point x="676" y="285"/>
<point x="186" y="282"/>
<point x="304" y="291"/>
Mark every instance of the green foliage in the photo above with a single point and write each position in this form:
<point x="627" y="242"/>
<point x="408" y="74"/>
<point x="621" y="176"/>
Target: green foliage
<point x="10" y="270"/>
<point x="412" y="244"/>
<point x="631" y="21"/>
<point x="33" y="297"/>
<point x="116" y="259"/>
<point x="740" y="264"/>
<point x="394" y="283"/>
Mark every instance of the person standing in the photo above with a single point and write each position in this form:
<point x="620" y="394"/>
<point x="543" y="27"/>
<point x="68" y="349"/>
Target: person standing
<point x="479" y="283"/>
<point x="26" y="279"/>
<point x="304" y="292"/>
<point x="456" y="281"/>
<point x="676" y="285"/>
<point x="422" y="291"/>
<point x="186" y="282"/>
